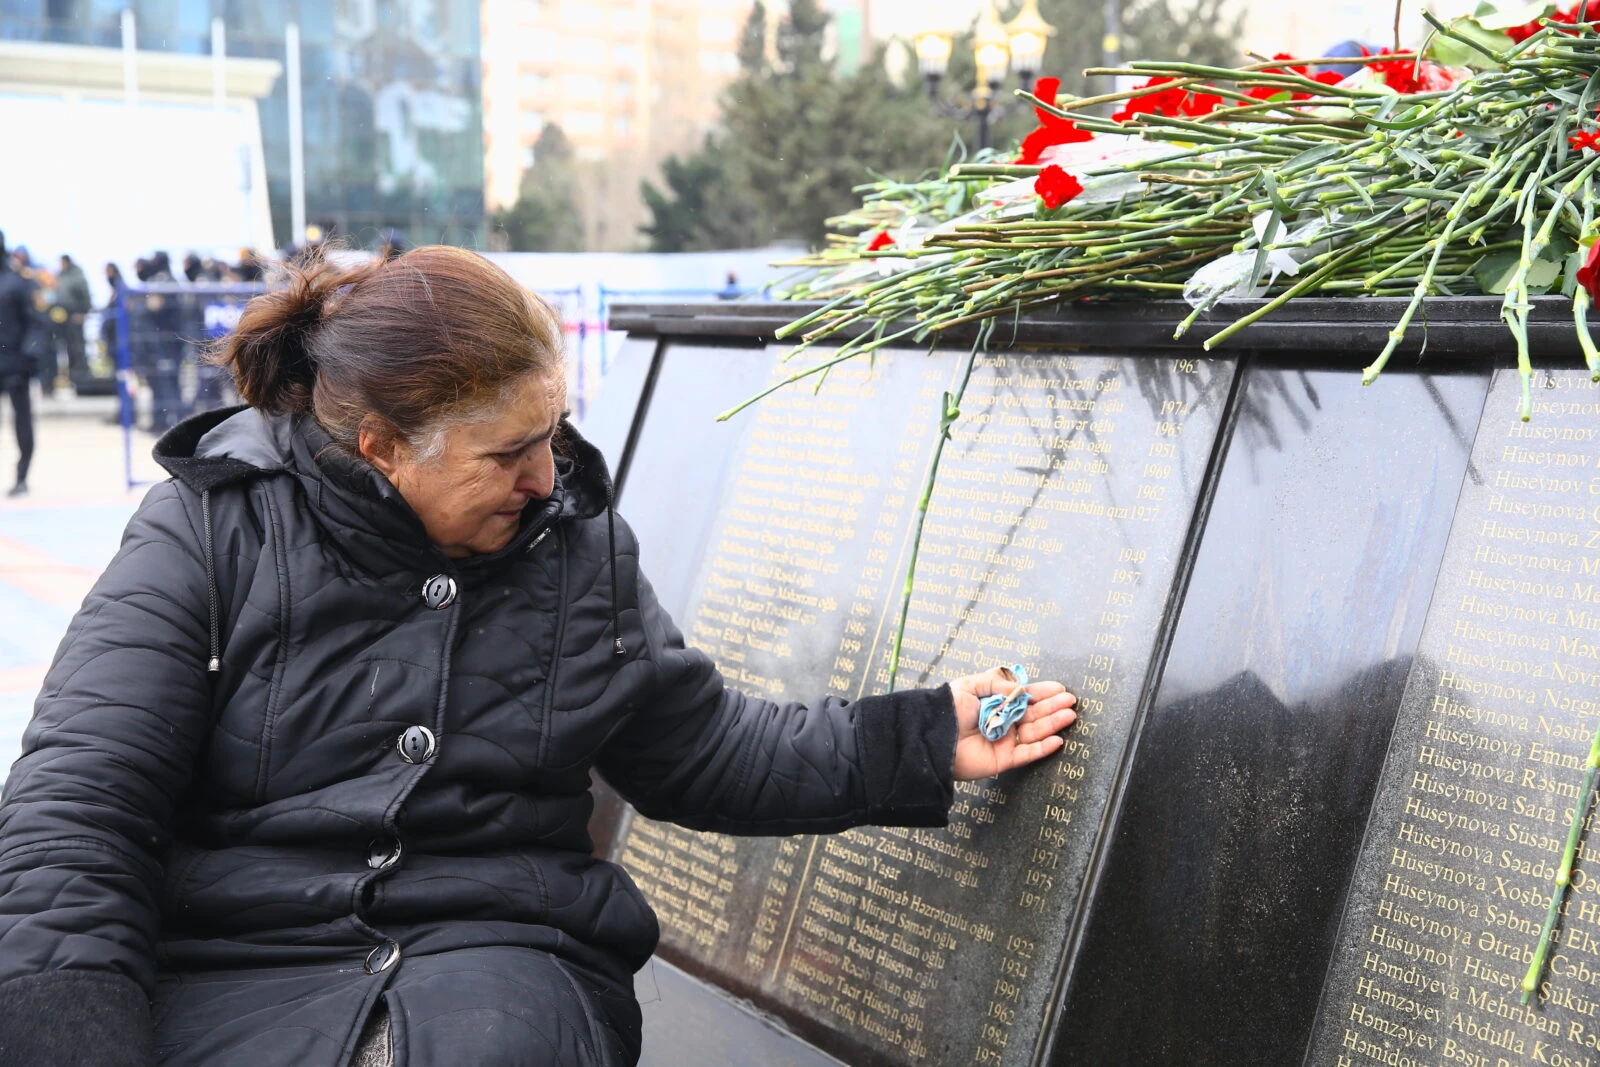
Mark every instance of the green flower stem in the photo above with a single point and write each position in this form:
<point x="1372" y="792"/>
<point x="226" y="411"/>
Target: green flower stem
<point x="947" y="417"/>
<point x="995" y="170"/>
<point x="1452" y="218"/>
<point x="1514" y="309"/>
<point x="1558" y="898"/>
<point x="1445" y="31"/>
<point x="1566" y="194"/>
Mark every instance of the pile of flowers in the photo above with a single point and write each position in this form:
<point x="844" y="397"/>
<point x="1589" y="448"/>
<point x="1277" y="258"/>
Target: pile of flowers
<point x="1468" y="167"/>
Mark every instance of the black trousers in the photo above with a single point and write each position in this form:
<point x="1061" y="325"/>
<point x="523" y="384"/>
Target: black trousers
<point x="77" y="354"/>
<point x="16" y="388"/>
<point x="166" y="395"/>
<point x="44" y="358"/>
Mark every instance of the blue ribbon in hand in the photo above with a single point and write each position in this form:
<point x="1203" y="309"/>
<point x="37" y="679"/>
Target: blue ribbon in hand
<point x="998" y="714"/>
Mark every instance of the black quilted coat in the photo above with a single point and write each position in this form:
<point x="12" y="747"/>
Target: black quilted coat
<point x="382" y="791"/>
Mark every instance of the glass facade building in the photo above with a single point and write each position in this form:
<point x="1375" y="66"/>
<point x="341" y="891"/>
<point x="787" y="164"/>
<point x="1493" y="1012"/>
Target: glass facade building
<point x="391" y="90"/>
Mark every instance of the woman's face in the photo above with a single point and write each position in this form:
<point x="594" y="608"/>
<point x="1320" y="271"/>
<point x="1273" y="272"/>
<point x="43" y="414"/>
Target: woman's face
<point x="470" y="497"/>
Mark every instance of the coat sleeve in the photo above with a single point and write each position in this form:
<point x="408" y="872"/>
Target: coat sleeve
<point x="704" y="755"/>
<point x="86" y="813"/>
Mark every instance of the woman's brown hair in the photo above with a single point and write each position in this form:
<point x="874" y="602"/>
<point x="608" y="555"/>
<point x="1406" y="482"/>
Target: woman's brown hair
<point x="402" y="347"/>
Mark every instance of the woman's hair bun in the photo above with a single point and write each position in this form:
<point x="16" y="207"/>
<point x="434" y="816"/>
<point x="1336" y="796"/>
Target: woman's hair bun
<point x="272" y="352"/>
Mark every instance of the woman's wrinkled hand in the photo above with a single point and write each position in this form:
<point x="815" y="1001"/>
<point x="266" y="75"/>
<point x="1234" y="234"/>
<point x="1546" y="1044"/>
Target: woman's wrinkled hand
<point x="1036" y="736"/>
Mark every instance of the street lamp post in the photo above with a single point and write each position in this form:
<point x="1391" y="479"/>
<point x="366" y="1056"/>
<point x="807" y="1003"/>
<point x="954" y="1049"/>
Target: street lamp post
<point x="997" y="46"/>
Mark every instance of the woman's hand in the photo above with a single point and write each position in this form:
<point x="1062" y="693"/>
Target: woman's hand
<point x="1035" y="737"/>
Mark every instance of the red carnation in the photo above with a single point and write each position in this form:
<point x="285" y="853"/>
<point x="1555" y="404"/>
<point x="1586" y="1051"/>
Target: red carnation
<point x="1412" y="75"/>
<point x="1398" y="74"/>
<point x="1055" y="186"/>
<point x="1267" y="92"/>
<point x="1518" y="34"/>
<point x="1589" y="139"/>
<point x="1528" y="29"/>
<point x="1166" y="102"/>
<point x="879" y="241"/>
<point x="1589" y="273"/>
<point x="1174" y="103"/>
<point x="1045" y="89"/>
<point x="1053" y="129"/>
<point x="1195" y="105"/>
<point x="1326" y="77"/>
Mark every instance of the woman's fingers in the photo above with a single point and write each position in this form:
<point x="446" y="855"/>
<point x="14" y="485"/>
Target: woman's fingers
<point x="1047" y="726"/>
<point x="1044" y="690"/>
<point x="1049" y="705"/>
<point x="1026" y="753"/>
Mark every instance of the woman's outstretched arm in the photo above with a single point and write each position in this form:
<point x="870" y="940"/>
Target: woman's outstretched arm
<point x="705" y="755"/>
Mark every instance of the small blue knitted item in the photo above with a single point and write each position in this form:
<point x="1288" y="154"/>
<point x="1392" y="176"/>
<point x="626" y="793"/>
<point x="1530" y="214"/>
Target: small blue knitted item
<point x="996" y="714"/>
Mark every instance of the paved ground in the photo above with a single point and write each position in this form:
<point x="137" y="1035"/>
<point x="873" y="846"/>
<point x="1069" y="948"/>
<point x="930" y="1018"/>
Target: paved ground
<point x="54" y="543"/>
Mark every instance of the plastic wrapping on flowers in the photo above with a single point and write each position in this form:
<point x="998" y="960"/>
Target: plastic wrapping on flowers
<point x="1467" y="167"/>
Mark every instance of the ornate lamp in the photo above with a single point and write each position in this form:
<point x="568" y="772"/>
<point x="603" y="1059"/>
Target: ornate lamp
<point x="1029" y="35"/>
<point x="998" y="47"/>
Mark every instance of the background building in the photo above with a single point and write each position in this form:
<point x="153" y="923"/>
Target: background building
<point x="629" y="82"/>
<point x="391" y="91"/>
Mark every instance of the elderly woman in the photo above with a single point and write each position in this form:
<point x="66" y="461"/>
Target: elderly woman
<point x="308" y="782"/>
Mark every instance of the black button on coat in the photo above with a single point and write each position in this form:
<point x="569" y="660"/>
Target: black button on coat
<point x="186" y="861"/>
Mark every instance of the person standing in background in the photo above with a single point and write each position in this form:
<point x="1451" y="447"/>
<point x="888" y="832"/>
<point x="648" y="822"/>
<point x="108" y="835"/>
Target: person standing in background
<point x="108" y="317"/>
<point x="164" y="348"/>
<point x="72" y="298"/>
<point x="39" y="346"/>
<point x="17" y="324"/>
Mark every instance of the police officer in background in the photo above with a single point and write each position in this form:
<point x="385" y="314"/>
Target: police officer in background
<point x="17" y="324"/>
<point x="73" y="302"/>
<point x="159" y="348"/>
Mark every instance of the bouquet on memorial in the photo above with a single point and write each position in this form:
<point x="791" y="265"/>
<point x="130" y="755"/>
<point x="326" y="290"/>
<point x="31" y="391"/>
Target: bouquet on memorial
<point x="1466" y="167"/>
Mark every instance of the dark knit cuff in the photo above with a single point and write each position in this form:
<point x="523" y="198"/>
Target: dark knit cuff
<point x="83" y="1018"/>
<point x="908" y="750"/>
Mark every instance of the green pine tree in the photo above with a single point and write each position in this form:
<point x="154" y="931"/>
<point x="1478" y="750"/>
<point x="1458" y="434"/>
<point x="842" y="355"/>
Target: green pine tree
<point x="696" y="210"/>
<point x="545" y="217"/>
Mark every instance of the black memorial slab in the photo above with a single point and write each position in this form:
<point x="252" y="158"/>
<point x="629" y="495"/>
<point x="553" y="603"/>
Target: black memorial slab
<point x="1483" y="772"/>
<point x="1231" y="561"/>
<point x="1054" y="532"/>
<point x="682" y="457"/>
<point x="1271" y="721"/>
